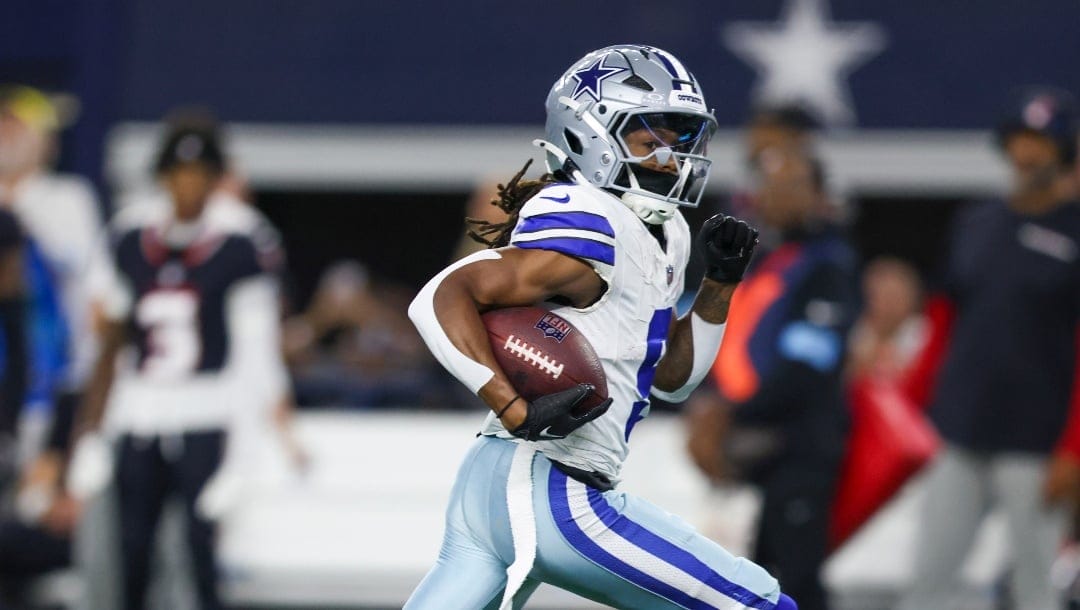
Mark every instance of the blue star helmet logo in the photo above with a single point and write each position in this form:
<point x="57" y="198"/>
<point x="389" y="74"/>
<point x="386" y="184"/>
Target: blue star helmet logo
<point x="589" y="80"/>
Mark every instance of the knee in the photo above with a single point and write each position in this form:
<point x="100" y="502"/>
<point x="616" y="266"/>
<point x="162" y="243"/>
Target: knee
<point x="786" y="603"/>
<point x="753" y="576"/>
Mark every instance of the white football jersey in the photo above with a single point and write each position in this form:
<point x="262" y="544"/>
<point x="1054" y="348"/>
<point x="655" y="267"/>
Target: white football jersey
<point x="627" y="327"/>
<point x="204" y="318"/>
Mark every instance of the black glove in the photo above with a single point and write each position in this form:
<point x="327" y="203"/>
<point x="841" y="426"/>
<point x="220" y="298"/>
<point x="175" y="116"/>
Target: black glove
<point x="549" y="417"/>
<point x="727" y="244"/>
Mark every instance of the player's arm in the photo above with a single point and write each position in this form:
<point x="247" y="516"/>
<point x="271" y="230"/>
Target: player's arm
<point x="91" y="410"/>
<point x="90" y="464"/>
<point x="256" y="368"/>
<point x="253" y="324"/>
<point x="447" y="314"/>
<point x="727" y="244"/>
<point x="113" y="300"/>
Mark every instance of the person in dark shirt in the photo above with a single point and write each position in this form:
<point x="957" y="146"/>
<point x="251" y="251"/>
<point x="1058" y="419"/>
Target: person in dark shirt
<point x="37" y="537"/>
<point x="779" y="372"/>
<point x="13" y="349"/>
<point x="1002" y="396"/>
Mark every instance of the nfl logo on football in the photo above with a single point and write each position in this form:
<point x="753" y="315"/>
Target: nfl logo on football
<point x="554" y="327"/>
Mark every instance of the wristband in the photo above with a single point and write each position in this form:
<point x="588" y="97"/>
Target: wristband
<point x="503" y="410"/>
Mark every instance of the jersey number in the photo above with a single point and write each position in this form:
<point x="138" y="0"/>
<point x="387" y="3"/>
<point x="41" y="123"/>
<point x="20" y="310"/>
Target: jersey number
<point x="654" y="348"/>
<point x="170" y="319"/>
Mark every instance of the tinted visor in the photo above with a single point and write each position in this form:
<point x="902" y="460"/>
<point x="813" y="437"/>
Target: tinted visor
<point x="682" y="133"/>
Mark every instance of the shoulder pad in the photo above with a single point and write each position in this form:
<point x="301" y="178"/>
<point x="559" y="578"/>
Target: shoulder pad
<point x="564" y="197"/>
<point x="570" y="219"/>
<point x="139" y="214"/>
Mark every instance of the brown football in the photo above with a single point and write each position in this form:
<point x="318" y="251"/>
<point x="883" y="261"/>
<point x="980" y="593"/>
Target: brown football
<point x="542" y="353"/>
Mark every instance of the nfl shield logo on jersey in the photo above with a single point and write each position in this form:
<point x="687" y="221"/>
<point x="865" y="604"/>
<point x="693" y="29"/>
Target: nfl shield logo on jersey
<point x="670" y="274"/>
<point x="554" y="327"/>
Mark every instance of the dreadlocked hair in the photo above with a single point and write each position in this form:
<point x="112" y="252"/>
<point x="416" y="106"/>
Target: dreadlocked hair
<point x="511" y="197"/>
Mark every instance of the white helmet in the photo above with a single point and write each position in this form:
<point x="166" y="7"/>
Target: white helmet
<point x="618" y="90"/>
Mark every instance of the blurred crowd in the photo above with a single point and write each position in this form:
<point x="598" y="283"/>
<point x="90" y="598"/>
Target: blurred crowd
<point x="839" y="379"/>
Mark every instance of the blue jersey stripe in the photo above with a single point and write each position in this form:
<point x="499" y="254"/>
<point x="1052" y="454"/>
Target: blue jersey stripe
<point x="654" y="347"/>
<point x="586" y="221"/>
<point x="560" y="511"/>
<point x="646" y="540"/>
<point x="574" y="246"/>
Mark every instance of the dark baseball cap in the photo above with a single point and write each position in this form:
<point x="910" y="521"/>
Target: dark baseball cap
<point x="191" y="143"/>
<point x="1046" y="111"/>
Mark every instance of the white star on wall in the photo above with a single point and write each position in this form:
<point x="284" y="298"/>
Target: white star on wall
<point x="806" y="58"/>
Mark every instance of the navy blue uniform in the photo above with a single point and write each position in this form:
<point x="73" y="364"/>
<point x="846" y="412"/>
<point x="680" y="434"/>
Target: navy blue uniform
<point x="782" y="355"/>
<point x="179" y="321"/>
<point x="780" y="365"/>
<point x="203" y="272"/>
<point x="13" y="356"/>
<point x="1008" y="373"/>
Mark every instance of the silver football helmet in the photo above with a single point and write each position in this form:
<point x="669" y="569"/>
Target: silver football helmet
<point x="632" y="119"/>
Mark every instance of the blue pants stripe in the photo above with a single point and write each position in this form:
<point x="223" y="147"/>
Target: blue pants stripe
<point x="649" y="542"/>
<point x="560" y="509"/>
<point x="668" y="552"/>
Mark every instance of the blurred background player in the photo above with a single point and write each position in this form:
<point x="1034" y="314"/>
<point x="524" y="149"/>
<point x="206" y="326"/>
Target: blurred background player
<point x="62" y="220"/>
<point x="779" y="375"/>
<point x="197" y="301"/>
<point x="1001" y="400"/>
<point x="49" y="341"/>
<point x="232" y="206"/>
<point x="25" y="549"/>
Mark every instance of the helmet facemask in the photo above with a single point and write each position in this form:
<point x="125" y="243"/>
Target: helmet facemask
<point x="661" y="160"/>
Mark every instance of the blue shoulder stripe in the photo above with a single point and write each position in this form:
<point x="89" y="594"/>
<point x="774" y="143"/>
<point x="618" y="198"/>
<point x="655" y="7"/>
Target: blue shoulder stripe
<point x="574" y="246"/>
<point x="586" y="221"/>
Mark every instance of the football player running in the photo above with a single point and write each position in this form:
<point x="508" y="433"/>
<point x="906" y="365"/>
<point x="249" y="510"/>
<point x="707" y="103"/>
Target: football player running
<point x="600" y="241"/>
